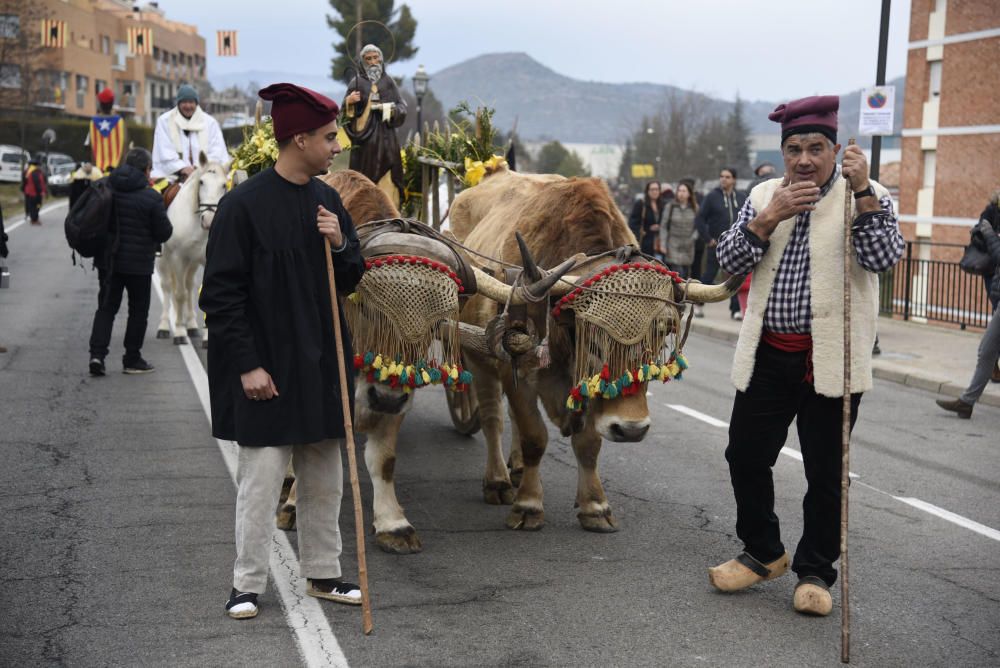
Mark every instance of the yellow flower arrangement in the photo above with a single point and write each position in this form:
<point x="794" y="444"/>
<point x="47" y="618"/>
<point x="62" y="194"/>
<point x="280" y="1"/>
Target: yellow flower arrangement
<point x="475" y="170"/>
<point x="258" y="151"/>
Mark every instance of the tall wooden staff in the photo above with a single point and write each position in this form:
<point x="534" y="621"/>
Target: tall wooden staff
<point x="845" y="435"/>
<point x="359" y="520"/>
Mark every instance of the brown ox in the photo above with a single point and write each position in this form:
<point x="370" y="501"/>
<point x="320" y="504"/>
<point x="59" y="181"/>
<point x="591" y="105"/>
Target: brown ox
<point x="558" y="218"/>
<point x="379" y="410"/>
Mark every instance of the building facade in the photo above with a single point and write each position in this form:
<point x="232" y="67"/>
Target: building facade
<point x="93" y="55"/>
<point x="951" y="120"/>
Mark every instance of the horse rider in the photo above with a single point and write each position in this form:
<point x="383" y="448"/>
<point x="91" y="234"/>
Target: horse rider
<point x="181" y="134"/>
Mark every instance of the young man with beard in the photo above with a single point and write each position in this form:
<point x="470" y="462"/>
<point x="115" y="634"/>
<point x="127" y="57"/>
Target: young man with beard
<point x="272" y="358"/>
<point x="374" y="111"/>
<point x="789" y="361"/>
<point x="181" y="134"/>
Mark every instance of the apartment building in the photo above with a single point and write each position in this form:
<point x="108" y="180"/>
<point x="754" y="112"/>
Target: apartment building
<point x="951" y="119"/>
<point x="95" y="56"/>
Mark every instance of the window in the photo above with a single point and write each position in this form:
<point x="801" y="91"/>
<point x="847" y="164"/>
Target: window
<point x="10" y="25"/>
<point x="82" y="84"/>
<point x="121" y="54"/>
<point x="934" y="87"/>
<point x="99" y="85"/>
<point x="930" y="166"/>
<point x="156" y="53"/>
<point x="10" y="76"/>
<point x="105" y="44"/>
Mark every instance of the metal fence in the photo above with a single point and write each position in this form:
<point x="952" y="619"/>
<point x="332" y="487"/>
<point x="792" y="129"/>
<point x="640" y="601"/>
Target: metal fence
<point x="928" y="285"/>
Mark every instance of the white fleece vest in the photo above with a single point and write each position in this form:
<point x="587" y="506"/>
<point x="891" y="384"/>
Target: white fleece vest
<point x="826" y="285"/>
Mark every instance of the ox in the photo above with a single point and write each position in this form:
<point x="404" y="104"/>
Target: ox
<point x="558" y="218"/>
<point x="191" y="215"/>
<point x="380" y="409"/>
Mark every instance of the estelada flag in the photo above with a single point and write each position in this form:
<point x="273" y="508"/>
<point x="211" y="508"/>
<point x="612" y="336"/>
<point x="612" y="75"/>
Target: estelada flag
<point x="53" y="33"/>
<point x="226" y="41"/>
<point x="107" y="136"/>
<point x="140" y="41"/>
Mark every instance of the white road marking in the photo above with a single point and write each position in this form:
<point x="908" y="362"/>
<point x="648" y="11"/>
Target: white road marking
<point x="916" y="503"/>
<point x="951" y="517"/>
<point x="44" y="209"/>
<point x="317" y="643"/>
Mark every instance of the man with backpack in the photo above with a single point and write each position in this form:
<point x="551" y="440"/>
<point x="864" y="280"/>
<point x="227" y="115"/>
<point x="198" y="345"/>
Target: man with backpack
<point x="138" y="223"/>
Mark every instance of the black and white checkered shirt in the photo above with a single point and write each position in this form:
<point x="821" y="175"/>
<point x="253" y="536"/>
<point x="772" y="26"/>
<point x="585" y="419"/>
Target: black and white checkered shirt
<point x="877" y="243"/>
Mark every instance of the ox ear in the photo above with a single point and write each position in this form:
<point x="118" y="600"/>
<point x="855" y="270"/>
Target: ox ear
<point x="202" y="159"/>
<point x="527" y="261"/>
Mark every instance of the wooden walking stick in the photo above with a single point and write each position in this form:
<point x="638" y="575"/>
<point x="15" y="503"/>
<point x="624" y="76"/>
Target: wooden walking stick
<point x="359" y="519"/>
<point x="845" y="435"/>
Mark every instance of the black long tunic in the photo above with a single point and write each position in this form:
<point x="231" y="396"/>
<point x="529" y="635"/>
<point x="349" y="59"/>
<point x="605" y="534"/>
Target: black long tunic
<point x="376" y="148"/>
<point x="267" y="301"/>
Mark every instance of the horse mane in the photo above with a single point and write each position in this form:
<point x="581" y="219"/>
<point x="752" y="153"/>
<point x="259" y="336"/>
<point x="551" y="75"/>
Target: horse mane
<point x="363" y="199"/>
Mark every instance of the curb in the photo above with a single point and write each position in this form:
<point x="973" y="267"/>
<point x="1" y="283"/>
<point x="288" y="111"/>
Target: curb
<point x="880" y="370"/>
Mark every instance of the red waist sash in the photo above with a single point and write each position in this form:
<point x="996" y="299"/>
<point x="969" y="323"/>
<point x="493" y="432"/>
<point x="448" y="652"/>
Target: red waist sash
<point x="792" y="343"/>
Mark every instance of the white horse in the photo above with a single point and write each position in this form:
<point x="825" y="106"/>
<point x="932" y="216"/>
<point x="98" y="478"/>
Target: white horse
<point x="191" y="214"/>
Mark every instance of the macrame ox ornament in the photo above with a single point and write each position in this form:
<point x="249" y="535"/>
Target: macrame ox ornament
<point x="627" y="326"/>
<point x="404" y="316"/>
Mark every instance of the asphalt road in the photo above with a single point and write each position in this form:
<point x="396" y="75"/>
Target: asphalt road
<point x="116" y="512"/>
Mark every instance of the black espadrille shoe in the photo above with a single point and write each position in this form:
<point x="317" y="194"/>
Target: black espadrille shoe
<point x="241" y="605"/>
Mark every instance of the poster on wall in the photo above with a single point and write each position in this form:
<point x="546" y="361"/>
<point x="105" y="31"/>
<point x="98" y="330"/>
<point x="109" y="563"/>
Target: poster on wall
<point x="877" y="104"/>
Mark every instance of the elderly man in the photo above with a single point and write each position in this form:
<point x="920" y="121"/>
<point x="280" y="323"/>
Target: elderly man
<point x="375" y="109"/>
<point x="789" y="359"/>
<point x="181" y="134"/>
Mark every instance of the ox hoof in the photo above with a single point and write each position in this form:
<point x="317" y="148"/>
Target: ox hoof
<point x="498" y="492"/>
<point x="599" y="522"/>
<point x="286" y="518"/>
<point x="516" y="475"/>
<point x="403" y="540"/>
<point x="180" y="340"/>
<point x="163" y="333"/>
<point x="194" y="332"/>
<point x="525" y="519"/>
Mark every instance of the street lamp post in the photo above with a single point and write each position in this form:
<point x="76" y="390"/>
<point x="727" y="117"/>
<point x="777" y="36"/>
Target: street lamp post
<point x="420" y="80"/>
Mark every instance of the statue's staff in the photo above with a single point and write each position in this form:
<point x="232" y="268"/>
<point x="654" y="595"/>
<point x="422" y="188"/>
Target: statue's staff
<point x="845" y="452"/>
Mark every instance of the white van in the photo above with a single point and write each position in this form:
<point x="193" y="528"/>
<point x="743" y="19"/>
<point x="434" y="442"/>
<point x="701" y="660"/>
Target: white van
<point x="13" y="160"/>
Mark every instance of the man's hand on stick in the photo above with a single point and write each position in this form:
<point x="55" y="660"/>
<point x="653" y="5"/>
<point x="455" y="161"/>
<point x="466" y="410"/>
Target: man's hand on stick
<point x="329" y="226"/>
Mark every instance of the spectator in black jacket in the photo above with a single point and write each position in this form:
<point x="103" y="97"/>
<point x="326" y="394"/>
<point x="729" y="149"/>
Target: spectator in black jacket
<point x="644" y="221"/>
<point x="716" y="214"/>
<point x="140" y="223"/>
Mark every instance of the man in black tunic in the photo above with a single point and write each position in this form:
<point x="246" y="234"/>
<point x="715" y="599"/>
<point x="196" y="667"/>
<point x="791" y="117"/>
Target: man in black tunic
<point x="272" y="363"/>
<point x="375" y="109"/>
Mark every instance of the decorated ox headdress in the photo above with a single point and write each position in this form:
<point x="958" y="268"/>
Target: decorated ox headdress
<point x="627" y="331"/>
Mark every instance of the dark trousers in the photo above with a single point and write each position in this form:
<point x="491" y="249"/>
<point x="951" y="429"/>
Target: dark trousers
<point x="31" y="207"/>
<point x="757" y="432"/>
<point x="109" y="300"/>
<point x="711" y="266"/>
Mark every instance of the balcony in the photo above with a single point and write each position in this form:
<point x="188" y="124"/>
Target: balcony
<point x="50" y="98"/>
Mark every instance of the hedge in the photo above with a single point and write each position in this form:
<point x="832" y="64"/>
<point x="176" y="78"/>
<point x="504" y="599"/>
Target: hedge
<point x="70" y="134"/>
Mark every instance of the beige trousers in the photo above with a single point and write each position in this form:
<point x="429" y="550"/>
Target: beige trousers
<point x="259" y="474"/>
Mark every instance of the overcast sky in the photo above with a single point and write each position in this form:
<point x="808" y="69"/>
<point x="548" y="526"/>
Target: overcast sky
<point x="767" y="50"/>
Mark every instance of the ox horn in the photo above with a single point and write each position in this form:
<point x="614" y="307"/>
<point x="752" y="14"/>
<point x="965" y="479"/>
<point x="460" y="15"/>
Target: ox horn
<point x="527" y="261"/>
<point x="707" y="294"/>
<point x="500" y="292"/>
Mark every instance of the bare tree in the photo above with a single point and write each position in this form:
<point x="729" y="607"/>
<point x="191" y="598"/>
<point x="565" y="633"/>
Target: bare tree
<point x="22" y="56"/>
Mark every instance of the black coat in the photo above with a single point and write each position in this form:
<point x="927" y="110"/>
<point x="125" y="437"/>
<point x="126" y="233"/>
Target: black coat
<point x="267" y="304"/>
<point x="993" y="248"/>
<point x="141" y="221"/>
<point x="717" y="213"/>
<point x="3" y="237"/>
<point x="642" y="218"/>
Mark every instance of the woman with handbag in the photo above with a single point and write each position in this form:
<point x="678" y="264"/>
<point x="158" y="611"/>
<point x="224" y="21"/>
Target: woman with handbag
<point x="989" y="346"/>
<point x="677" y="232"/>
<point x="645" y="218"/>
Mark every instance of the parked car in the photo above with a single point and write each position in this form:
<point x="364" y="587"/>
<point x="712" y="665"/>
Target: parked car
<point x="12" y="162"/>
<point x="58" y="168"/>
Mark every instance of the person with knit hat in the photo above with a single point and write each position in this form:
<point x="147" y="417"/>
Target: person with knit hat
<point x="272" y="360"/>
<point x="184" y="132"/>
<point x="789" y="361"/>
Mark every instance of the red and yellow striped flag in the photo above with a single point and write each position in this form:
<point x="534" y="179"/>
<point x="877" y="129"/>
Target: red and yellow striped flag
<point x="226" y="42"/>
<point x="53" y="33"/>
<point x="107" y="135"/>
<point x="140" y="41"/>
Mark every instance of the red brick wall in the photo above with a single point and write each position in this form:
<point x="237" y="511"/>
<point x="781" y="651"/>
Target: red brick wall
<point x="911" y="175"/>
<point x="968" y="171"/>
<point x="970" y="82"/>
<point x="920" y="11"/>
<point x="963" y="16"/>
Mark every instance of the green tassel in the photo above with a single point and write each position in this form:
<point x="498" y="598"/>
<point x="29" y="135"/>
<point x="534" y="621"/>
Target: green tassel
<point x="465" y="378"/>
<point x="369" y="358"/>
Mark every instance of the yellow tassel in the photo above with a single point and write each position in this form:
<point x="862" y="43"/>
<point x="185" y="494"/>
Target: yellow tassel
<point x="674" y="368"/>
<point x="654" y="371"/>
<point x="407" y="389"/>
<point x="642" y="376"/>
<point x="426" y="376"/>
<point x="377" y="364"/>
<point x="383" y="374"/>
<point x="569" y="403"/>
<point x="453" y="374"/>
